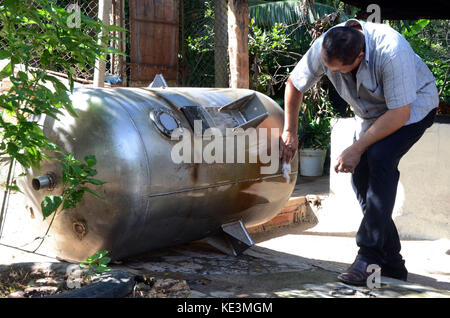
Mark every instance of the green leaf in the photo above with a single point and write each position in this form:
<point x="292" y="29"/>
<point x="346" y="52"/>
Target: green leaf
<point x="102" y="253"/>
<point x="57" y="84"/>
<point x="94" y="193"/>
<point x="4" y="54"/>
<point x="115" y="28"/>
<point x="23" y="76"/>
<point x="14" y="188"/>
<point x="90" y="161"/>
<point x="104" y="261"/>
<point x="94" y="257"/>
<point x="96" y="181"/>
<point x="412" y="29"/>
<point x="6" y="71"/>
<point x="50" y="204"/>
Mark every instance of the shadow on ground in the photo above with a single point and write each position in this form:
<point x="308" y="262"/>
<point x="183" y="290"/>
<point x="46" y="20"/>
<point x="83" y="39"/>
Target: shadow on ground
<point x="299" y="229"/>
<point x="259" y="272"/>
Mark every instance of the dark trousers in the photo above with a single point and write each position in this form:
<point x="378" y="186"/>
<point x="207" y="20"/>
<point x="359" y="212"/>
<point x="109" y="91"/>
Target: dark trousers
<point x="375" y="181"/>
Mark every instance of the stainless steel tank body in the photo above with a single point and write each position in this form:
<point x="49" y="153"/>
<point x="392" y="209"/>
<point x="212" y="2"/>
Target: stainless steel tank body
<point x="152" y="202"/>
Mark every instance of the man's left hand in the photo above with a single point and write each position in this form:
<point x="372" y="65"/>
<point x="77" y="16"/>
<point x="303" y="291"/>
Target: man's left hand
<point x="348" y="160"/>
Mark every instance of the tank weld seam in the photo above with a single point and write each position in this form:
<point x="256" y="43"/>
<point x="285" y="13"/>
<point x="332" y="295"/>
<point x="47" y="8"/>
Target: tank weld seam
<point x="147" y="160"/>
<point x="215" y="185"/>
<point x="139" y="134"/>
<point x="166" y="100"/>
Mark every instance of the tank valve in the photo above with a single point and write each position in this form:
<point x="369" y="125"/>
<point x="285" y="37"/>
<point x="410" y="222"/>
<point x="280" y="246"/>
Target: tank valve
<point x="47" y="181"/>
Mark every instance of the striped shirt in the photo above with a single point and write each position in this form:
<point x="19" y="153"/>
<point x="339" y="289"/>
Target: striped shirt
<point x="391" y="75"/>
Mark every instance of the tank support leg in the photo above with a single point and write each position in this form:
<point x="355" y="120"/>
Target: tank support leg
<point x="231" y="238"/>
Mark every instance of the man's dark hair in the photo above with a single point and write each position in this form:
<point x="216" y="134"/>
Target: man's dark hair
<point x="342" y="44"/>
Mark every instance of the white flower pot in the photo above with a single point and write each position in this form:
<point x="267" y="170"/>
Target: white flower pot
<point x="311" y="162"/>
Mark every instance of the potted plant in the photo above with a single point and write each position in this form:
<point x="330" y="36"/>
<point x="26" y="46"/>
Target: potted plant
<point x="314" y="137"/>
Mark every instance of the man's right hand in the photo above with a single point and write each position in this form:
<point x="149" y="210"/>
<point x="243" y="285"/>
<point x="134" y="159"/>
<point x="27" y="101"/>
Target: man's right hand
<point x="289" y="139"/>
<point x="288" y="146"/>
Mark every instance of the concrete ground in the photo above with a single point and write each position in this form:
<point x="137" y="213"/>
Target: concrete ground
<point x="428" y="262"/>
<point x="283" y="263"/>
<point x="292" y="261"/>
<point x="286" y="265"/>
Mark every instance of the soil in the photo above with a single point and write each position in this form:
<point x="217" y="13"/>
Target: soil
<point x="18" y="282"/>
<point x="152" y="287"/>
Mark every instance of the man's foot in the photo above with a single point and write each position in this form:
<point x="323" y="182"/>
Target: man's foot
<point x="356" y="274"/>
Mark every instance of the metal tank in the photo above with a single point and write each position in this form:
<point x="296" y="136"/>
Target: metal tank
<point x="152" y="202"/>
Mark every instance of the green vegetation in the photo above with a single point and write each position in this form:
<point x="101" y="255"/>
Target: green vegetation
<point x="40" y="34"/>
<point x="429" y="39"/>
<point x="97" y="263"/>
<point x="75" y="176"/>
<point x="315" y="132"/>
<point x="270" y="57"/>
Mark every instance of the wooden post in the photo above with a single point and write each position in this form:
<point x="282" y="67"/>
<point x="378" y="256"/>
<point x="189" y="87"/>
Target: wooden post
<point x="104" y="8"/>
<point x="123" y="58"/>
<point x="238" y="20"/>
<point x="118" y="62"/>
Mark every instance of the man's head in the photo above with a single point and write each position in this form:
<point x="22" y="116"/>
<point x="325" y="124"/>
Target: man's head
<point x="343" y="49"/>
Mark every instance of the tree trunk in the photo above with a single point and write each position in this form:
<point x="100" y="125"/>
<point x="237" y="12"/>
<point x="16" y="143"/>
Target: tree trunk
<point x="238" y="21"/>
<point x="220" y="43"/>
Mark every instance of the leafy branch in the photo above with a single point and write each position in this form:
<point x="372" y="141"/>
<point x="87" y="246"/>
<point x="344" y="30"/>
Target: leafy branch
<point x="97" y="263"/>
<point x="39" y="34"/>
<point x="76" y="175"/>
<point x="266" y="49"/>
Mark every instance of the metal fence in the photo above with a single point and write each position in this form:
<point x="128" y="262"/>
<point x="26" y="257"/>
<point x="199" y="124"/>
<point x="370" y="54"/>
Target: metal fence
<point x="203" y="48"/>
<point x="204" y="42"/>
<point x="116" y="64"/>
<point x="90" y="9"/>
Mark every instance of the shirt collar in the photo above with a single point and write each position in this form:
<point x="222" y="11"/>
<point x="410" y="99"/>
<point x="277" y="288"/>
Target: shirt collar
<point x="352" y="22"/>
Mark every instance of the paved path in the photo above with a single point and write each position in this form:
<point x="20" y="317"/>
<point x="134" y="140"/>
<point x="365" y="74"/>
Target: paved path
<point x="287" y="262"/>
<point x="269" y="269"/>
<point x="262" y="272"/>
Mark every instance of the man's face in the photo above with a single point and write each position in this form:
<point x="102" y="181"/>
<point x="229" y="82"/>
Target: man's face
<point x="337" y="66"/>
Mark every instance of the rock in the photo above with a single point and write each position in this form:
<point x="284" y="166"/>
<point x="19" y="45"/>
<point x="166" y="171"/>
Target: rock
<point x="361" y="294"/>
<point x="17" y="294"/>
<point x="142" y="287"/>
<point x="347" y="291"/>
<point x="39" y="291"/>
<point x="49" y="281"/>
<point x="196" y="294"/>
<point x="221" y="294"/>
<point x="113" y="284"/>
<point x="147" y="280"/>
<point x="170" y="288"/>
<point x="165" y="284"/>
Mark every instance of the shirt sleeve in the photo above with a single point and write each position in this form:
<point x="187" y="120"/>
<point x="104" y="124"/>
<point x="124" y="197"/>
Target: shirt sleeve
<point x="309" y="69"/>
<point x="399" y="79"/>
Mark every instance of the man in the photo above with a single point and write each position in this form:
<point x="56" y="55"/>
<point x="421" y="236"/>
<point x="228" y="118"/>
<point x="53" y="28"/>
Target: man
<point x="394" y="97"/>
